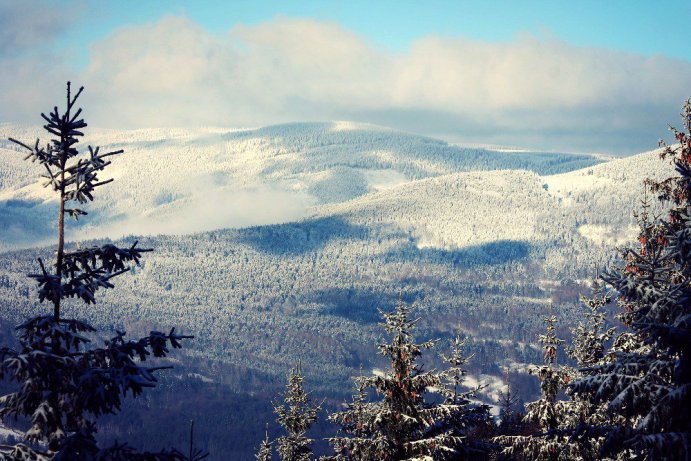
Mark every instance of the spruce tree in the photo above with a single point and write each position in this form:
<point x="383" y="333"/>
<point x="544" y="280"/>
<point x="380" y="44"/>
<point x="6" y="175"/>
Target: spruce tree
<point x="591" y="338"/>
<point x="296" y="414"/>
<point x="265" y="448"/>
<point x="548" y="413"/>
<point x="402" y="425"/>
<point x="357" y="439"/>
<point x="510" y="415"/>
<point x="648" y="382"/>
<point x="465" y="417"/>
<point x="589" y="348"/>
<point x="510" y="420"/>
<point x="63" y="382"/>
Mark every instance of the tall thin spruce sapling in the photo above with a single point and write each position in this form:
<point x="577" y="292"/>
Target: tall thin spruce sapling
<point x="548" y="414"/>
<point x="265" y="448"/>
<point x="63" y="383"/>
<point x="465" y="418"/>
<point x="295" y="414"/>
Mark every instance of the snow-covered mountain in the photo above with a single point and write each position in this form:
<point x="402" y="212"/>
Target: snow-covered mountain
<point x="338" y="218"/>
<point x="279" y="244"/>
<point x="333" y="211"/>
<point x="180" y="181"/>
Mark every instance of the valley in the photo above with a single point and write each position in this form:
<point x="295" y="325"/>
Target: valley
<point x="278" y="245"/>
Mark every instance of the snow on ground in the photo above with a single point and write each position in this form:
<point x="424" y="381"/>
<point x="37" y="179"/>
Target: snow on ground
<point x="599" y="233"/>
<point x="6" y="432"/>
<point x="178" y="180"/>
<point x="181" y="181"/>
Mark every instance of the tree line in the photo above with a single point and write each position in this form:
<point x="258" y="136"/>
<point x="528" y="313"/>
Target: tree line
<point x="627" y="398"/>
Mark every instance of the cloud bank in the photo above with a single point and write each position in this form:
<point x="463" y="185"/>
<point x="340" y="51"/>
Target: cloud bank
<point x="532" y="92"/>
<point x="255" y="206"/>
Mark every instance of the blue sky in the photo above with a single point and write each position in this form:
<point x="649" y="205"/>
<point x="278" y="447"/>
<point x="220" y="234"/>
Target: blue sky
<point x="637" y="26"/>
<point x="585" y="76"/>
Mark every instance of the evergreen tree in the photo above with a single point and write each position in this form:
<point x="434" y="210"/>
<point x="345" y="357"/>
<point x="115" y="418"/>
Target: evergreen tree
<point x="591" y="338"/>
<point x="548" y="413"/>
<point x="510" y="415"/>
<point x="296" y="414"/>
<point x="361" y="443"/>
<point x="465" y="417"/>
<point x="589" y="348"/>
<point x="401" y="426"/>
<point x="265" y="449"/>
<point x="510" y="421"/>
<point x="63" y="383"/>
<point x="648" y="381"/>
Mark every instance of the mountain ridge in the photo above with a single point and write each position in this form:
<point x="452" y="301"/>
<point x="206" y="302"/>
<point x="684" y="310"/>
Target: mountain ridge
<point x="166" y="175"/>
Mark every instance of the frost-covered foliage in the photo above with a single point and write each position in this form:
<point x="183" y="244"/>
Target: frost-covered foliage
<point x="285" y="168"/>
<point x="265" y="449"/>
<point x="548" y="413"/>
<point x="65" y="386"/>
<point x="272" y="286"/>
<point x="510" y="415"/>
<point x="467" y="419"/>
<point x="323" y="163"/>
<point x="295" y="414"/>
<point x="591" y="338"/>
<point x="401" y="426"/>
<point x="74" y="178"/>
<point x="563" y="438"/>
<point x="63" y="382"/>
<point x="648" y="381"/>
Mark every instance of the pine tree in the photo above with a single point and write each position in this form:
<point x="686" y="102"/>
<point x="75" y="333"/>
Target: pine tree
<point x="591" y="338"/>
<point x="296" y="414"/>
<point x="465" y="416"/>
<point x="548" y="413"/>
<point x="648" y="381"/>
<point x="63" y="383"/>
<point x="589" y="348"/>
<point x="265" y="449"/>
<point x="510" y="415"/>
<point x="358" y="442"/>
<point x="401" y="426"/>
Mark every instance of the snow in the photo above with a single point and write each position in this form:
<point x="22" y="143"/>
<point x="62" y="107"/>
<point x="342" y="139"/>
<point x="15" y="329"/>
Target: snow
<point x="607" y="235"/>
<point x="7" y="432"/>
<point x="493" y="384"/>
<point x="178" y="180"/>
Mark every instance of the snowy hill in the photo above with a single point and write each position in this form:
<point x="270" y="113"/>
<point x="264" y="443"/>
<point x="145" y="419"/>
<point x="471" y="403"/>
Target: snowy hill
<point x="569" y="212"/>
<point x="342" y="209"/>
<point x="472" y="246"/>
<point x="179" y="181"/>
<point x="328" y="223"/>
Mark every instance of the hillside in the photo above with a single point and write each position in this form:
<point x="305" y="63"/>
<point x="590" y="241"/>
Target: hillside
<point x="484" y="239"/>
<point x="466" y="243"/>
<point x="178" y="181"/>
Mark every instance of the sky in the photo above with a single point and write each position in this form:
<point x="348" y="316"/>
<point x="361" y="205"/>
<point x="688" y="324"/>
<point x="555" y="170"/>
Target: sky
<point x="587" y="76"/>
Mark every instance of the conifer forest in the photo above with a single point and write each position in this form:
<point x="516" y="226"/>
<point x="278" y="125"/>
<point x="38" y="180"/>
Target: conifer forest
<point x="610" y="378"/>
<point x="484" y="255"/>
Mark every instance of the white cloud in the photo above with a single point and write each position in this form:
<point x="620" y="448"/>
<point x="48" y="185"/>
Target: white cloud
<point x="530" y="91"/>
<point x="31" y="23"/>
<point x="210" y="209"/>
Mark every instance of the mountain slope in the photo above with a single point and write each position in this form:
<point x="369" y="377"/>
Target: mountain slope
<point x="468" y="243"/>
<point x="181" y="181"/>
<point x="486" y="249"/>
